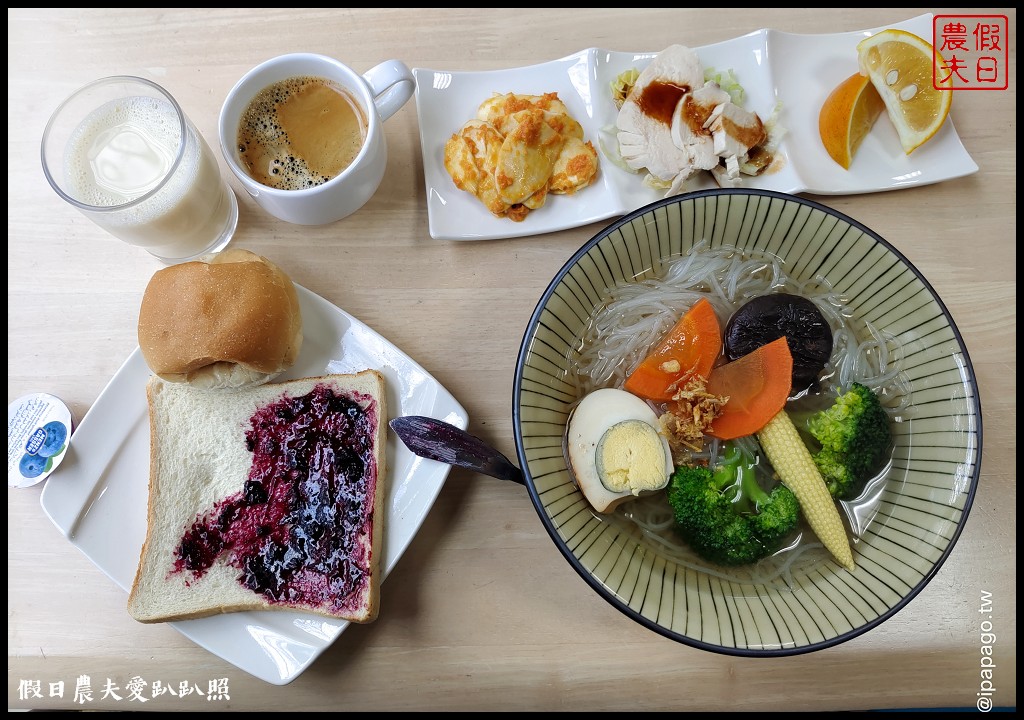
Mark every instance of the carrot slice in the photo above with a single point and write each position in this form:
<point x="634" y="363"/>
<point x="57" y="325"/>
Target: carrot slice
<point x="691" y="347"/>
<point x="757" y="386"/>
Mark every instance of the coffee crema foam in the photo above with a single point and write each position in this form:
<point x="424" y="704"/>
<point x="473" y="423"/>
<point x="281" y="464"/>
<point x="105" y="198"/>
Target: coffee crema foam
<point x="299" y="133"/>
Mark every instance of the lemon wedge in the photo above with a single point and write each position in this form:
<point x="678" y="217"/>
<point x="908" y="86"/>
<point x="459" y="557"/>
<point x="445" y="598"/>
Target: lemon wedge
<point x="909" y="75"/>
<point x="847" y="115"/>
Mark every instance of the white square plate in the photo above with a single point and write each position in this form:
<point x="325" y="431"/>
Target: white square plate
<point x="99" y="497"/>
<point x="798" y="71"/>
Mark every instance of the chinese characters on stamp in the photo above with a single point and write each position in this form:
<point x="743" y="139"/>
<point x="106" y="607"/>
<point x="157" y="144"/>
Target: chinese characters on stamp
<point x="974" y="51"/>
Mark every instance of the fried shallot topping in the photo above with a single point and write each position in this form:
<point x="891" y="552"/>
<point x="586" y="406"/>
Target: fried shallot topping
<point x="690" y="414"/>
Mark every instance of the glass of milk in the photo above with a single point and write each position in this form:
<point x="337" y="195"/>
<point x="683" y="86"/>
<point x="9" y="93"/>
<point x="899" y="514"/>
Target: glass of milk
<point x="122" y="152"/>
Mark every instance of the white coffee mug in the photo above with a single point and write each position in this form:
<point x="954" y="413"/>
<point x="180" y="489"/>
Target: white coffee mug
<point x="381" y="92"/>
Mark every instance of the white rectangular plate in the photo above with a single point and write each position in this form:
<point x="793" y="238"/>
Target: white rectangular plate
<point x="799" y="71"/>
<point x="99" y="498"/>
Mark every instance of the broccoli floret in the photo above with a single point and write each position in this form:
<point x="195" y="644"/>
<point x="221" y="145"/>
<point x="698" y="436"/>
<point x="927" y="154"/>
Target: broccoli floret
<point x="855" y="435"/>
<point x="725" y="516"/>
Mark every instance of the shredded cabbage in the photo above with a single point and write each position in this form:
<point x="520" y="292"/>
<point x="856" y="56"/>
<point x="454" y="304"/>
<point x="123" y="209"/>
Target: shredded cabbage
<point x="775" y="133"/>
<point x="657" y="183"/>
<point x="608" y="141"/>
<point x="728" y="82"/>
<point x="622" y="84"/>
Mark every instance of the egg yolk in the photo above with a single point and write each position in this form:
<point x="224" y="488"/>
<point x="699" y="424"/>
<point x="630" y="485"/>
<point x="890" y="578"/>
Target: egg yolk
<point x="631" y="457"/>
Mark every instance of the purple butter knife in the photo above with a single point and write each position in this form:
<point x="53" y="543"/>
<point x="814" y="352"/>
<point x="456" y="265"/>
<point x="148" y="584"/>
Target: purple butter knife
<point x="441" y="441"/>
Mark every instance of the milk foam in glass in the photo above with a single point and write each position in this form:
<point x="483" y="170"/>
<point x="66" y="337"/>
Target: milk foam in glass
<point x="123" y="153"/>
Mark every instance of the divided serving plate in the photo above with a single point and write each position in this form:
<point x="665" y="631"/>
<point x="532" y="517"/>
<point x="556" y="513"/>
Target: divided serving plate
<point x="99" y="499"/>
<point x="798" y="71"/>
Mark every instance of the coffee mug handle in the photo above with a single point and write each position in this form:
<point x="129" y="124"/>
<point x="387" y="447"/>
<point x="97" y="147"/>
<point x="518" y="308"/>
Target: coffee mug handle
<point x="392" y="84"/>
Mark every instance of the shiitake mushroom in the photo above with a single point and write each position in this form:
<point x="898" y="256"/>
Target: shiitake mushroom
<point x="768" y="317"/>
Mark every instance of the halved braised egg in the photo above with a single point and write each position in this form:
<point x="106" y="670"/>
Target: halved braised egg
<point x="615" y="448"/>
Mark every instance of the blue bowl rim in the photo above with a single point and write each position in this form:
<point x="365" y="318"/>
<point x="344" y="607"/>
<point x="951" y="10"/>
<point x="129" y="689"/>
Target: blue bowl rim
<point x="601" y="590"/>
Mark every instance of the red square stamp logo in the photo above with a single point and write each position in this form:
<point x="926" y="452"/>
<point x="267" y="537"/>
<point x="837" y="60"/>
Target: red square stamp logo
<point x="974" y="51"/>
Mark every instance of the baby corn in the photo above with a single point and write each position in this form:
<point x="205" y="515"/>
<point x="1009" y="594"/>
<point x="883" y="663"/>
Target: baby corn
<point x="796" y="469"/>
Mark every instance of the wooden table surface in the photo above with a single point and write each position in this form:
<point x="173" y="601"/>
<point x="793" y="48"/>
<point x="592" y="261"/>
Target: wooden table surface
<point x="482" y="612"/>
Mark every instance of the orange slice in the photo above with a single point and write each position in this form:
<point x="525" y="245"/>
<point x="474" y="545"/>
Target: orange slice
<point x="905" y="70"/>
<point x="847" y="115"/>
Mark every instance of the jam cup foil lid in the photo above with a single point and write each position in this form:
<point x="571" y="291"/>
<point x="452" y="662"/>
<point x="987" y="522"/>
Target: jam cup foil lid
<point x="39" y="430"/>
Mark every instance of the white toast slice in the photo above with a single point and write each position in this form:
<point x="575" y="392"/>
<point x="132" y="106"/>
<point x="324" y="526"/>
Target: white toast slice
<point x="264" y="498"/>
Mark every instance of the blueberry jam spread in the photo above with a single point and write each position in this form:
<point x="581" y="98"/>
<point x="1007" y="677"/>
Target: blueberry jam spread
<point x="299" y="529"/>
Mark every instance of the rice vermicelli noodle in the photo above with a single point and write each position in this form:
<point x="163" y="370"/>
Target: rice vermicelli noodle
<point x="635" y="315"/>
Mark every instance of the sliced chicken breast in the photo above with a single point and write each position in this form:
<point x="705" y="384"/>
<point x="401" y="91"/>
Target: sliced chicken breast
<point x="645" y="120"/>
<point x="735" y="130"/>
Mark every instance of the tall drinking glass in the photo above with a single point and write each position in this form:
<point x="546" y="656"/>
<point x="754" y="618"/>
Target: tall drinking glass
<point x="122" y="152"/>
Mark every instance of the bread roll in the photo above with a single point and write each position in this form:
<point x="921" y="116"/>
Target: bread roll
<point x="228" y="321"/>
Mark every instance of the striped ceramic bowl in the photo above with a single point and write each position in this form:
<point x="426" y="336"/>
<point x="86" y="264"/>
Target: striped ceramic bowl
<point x="921" y="505"/>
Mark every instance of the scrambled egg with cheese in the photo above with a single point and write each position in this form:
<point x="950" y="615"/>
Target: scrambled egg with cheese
<point x="517" y="151"/>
